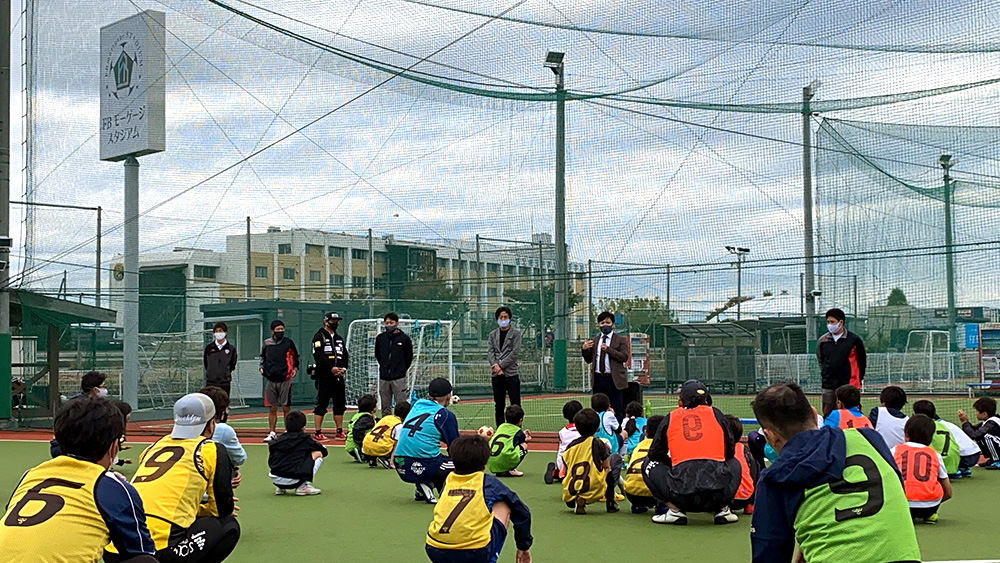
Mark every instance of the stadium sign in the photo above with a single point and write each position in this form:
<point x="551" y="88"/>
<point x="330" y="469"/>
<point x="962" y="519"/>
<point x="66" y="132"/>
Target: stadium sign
<point x="133" y="86"/>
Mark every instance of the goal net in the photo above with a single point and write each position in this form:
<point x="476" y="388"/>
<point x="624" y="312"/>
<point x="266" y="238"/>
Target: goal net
<point x="433" y="347"/>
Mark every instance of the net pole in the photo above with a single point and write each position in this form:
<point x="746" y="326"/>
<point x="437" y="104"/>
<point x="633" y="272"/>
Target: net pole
<point x="451" y="361"/>
<point x="807" y="213"/>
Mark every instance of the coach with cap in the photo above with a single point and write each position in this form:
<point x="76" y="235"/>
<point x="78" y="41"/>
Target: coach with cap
<point x="330" y="355"/>
<point x="607" y="353"/>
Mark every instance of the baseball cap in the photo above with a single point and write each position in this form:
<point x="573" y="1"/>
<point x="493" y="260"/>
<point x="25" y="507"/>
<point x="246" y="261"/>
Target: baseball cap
<point x="331" y="316"/>
<point x="694" y="392"/>
<point x="191" y="413"/>
<point x="275" y="324"/>
<point x="439" y="387"/>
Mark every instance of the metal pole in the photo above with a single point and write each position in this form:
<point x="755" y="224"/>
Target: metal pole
<point x="371" y="275"/>
<point x="949" y="254"/>
<point x="802" y="294"/>
<point x="739" y="284"/>
<point x="541" y="307"/>
<point x="857" y="314"/>
<point x="807" y="213"/>
<point x="249" y="262"/>
<point x="561" y="296"/>
<point x="5" y="339"/>
<point x="479" y="296"/>
<point x="97" y="272"/>
<point x="590" y="296"/>
<point x="668" y="288"/>
<point x="130" y="306"/>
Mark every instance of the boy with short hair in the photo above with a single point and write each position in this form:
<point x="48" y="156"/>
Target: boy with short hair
<point x="987" y="432"/>
<point x="636" y="490"/>
<point x="360" y="425"/>
<point x="379" y="444"/>
<point x="471" y="518"/>
<point x="888" y="419"/>
<point x="959" y="452"/>
<point x="567" y="434"/>
<point x="635" y="426"/>
<point x="925" y="479"/>
<point x="224" y="433"/>
<point x="748" y="469"/>
<point x="848" y="412"/>
<point x="509" y="444"/>
<point x="610" y="430"/>
<point x="294" y="458"/>
<point x="591" y="469"/>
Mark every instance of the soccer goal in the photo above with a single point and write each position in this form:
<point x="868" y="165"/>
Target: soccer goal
<point x="433" y="355"/>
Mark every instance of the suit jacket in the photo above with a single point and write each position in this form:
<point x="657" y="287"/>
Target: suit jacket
<point x="505" y="357"/>
<point x="618" y="353"/>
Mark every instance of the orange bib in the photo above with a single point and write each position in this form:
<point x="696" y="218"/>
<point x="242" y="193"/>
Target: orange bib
<point x="695" y="434"/>
<point x="849" y="420"/>
<point x="746" y="481"/>
<point x="919" y="466"/>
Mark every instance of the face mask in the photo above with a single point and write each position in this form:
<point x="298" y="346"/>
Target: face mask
<point x="607" y="329"/>
<point x="332" y="326"/>
<point x="389" y="328"/>
<point x="504" y="323"/>
<point x="278" y="336"/>
<point x="220" y="336"/>
<point x="833" y="328"/>
<point x="102" y="392"/>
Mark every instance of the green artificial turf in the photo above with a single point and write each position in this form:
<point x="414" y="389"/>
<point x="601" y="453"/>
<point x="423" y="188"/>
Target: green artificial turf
<point x="368" y="515"/>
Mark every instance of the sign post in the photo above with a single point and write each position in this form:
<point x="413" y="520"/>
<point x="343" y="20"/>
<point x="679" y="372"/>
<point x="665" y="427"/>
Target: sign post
<point x="133" y="124"/>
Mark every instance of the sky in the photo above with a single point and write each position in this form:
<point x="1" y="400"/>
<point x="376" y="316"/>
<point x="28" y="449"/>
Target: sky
<point x="356" y="148"/>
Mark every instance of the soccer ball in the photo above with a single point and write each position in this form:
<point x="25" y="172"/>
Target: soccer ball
<point x="455" y="399"/>
<point x="485" y="431"/>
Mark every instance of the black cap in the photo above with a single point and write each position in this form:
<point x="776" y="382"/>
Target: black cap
<point x="331" y="316"/>
<point x="276" y="323"/>
<point x="693" y="393"/>
<point x="439" y="388"/>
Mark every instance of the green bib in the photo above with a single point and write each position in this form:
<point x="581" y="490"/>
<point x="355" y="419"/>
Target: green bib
<point x="944" y="445"/>
<point x="350" y="445"/>
<point x="863" y="518"/>
<point x="504" y="455"/>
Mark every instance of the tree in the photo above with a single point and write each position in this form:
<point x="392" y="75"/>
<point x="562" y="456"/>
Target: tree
<point x="641" y="314"/>
<point x="524" y="304"/>
<point x="896" y="297"/>
<point x="431" y="300"/>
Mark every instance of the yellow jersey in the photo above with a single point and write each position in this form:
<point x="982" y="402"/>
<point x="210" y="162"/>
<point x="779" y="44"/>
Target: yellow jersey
<point x="172" y="477"/>
<point x="53" y="516"/>
<point x="379" y="441"/>
<point x="461" y="518"/>
<point x="584" y="474"/>
<point x="634" y="483"/>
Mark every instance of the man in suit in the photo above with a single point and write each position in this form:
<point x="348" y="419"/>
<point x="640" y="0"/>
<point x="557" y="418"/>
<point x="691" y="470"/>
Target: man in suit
<point x="503" y="346"/>
<point x="607" y="354"/>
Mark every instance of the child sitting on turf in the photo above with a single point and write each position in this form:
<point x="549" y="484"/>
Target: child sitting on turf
<point x="925" y="479"/>
<point x="509" y="444"/>
<point x="379" y="444"/>
<point x="472" y="515"/>
<point x="635" y="425"/>
<point x="959" y="452"/>
<point x="591" y="469"/>
<point x="360" y="425"/>
<point x="749" y="469"/>
<point x="987" y="432"/>
<point x="610" y="430"/>
<point x="848" y="412"/>
<point x="636" y="490"/>
<point x="567" y="434"/>
<point x="888" y="419"/>
<point x="294" y="458"/>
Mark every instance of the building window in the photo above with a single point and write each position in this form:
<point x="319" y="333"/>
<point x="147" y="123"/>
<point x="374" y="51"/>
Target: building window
<point x="381" y="284"/>
<point x="358" y="254"/>
<point x="206" y="272"/>
<point x="359" y="281"/>
<point x="380" y="257"/>
<point x="314" y="250"/>
<point x="508" y="270"/>
<point x="491" y="292"/>
<point x="260" y="272"/>
<point x="335" y="252"/>
<point x="336" y="280"/>
<point x="493" y="268"/>
<point x="285" y="248"/>
<point x="288" y="273"/>
<point x="441" y="263"/>
<point x="315" y="276"/>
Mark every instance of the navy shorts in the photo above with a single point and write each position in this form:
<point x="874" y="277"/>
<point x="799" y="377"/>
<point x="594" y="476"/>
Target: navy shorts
<point x="488" y="554"/>
<point x="418" y="470"/>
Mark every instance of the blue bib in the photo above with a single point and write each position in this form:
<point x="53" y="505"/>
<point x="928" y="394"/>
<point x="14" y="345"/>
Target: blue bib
<point x="419" y="437"/>
<point x="636" y="437"/>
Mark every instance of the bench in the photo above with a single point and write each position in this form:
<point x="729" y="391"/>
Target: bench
<point x="982" y="386"/>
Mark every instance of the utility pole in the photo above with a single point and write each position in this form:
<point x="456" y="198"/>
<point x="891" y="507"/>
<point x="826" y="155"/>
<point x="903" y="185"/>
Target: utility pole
<point x="554" y="61"/>
<point x="740" y="254"/>
<point x="249" y="262"/>
<point x="371" y="275"/>
<point x="5" y="241"/>
<point x="97" y="270"/>
<point x="807" y="215"/>
<point x="946" y="164"/>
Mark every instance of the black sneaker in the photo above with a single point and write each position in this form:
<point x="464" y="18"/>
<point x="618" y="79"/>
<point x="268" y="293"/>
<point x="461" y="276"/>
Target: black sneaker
<point x="550" y="473"/>
<point x="612" y="507"/>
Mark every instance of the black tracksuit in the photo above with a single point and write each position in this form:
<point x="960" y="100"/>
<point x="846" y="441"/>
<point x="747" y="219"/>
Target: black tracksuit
<point x="394" y="353"/>
<point x="220" y="365"/>
<point x="329" y="351"/>
<point x="841" y="361"/>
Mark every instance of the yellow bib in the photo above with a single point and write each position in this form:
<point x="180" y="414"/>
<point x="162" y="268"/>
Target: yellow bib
<point x="634" y="483"/>
<point x="379" y="441"/>
<point x="53" y="517"/>
<point x="461" y="519"/>
<point x="583" y="479"/>
<point x="172" y="477"/>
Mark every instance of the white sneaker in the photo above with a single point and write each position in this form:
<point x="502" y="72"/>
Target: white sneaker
<point x="306" y="489"/>
<point x="428" y="493"/>
<point x="278" y="491"/>
<point x="726" y="516"/>
<point x="671" y="516"/>
<point x="270" y="436"/>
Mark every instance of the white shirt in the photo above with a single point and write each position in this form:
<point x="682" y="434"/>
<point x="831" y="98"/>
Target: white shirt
<point x="966" y="445"/>
<point x="220" y="345"/>
<point x="890" y="427"/>
<point x="942" y="474"/>
<point x="837" y="337"/>
<point x="605" y="366"/>
<point x="567" y="435"/>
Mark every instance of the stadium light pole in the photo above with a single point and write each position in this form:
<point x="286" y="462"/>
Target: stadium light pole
<point x="807" y="217"/>
<point x="5" y="241"/>
<point x="946" y="163"/>
<point x="554" y="62"/>
<point x="740" y="253"/>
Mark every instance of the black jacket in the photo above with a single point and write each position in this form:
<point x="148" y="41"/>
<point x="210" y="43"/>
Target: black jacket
<point x="329" y="351"/>
<point x="278" y="359"/>
<point x="394" y="354"/>
<point x="290" y="456"/>
<point x="842" y="361"/>
<point x="220" y="364"/>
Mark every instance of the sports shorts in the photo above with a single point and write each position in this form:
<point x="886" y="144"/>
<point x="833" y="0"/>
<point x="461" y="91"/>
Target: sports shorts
<point x="417" y="470"/>
<point x="488" y="554"/>
<point x="278" y="393"/>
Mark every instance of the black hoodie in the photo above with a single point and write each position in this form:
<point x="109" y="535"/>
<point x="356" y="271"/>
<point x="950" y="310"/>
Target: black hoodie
<point x="290" y="456"/>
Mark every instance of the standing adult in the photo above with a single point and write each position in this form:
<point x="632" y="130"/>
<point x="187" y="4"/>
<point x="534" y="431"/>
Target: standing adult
<point x="503" y="347"/>
<point x="842" y="359"/>
<point x="279" y="361"/>
<point x="220" y="359"/>
<point x="330" y="354"/>
<point x="607" y="353"/>
<point x="394" y="354"/>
